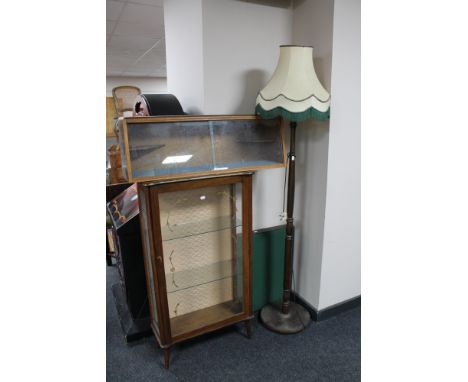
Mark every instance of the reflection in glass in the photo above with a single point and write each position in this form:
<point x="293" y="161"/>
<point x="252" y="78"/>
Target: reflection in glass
<point x="246" y="144"/>
<point x="152" y="144"/>
<point x="124" y="206"/>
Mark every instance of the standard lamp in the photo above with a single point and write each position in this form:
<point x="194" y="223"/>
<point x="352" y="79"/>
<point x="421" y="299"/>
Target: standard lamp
<point x="296" y="94"/>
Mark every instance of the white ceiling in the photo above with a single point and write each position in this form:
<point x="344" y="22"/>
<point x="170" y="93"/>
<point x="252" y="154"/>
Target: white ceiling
<point x="135" y="38"/>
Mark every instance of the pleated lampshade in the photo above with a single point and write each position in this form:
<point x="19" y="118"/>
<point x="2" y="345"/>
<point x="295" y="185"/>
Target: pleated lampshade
<point x="294" y="91"/>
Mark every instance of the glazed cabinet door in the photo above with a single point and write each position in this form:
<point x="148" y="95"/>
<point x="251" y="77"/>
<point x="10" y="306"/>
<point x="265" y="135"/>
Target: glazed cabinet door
<point x="202" y="253"/>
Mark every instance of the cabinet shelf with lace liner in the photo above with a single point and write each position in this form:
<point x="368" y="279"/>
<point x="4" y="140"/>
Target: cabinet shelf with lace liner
<point x="197" y="243"/>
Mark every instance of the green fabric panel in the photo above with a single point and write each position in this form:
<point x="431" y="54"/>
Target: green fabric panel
<point x="267" y="266"/>
<point x="296" y="117"/>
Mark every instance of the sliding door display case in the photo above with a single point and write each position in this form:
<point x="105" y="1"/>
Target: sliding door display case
<point x="154" y="148"/>
<point x="197" y="249"/>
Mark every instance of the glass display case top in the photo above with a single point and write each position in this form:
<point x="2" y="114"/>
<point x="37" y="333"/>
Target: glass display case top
<point x="158" y="147"/>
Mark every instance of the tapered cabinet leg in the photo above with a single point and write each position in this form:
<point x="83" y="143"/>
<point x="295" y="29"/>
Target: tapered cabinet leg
<point x="248" y="328"/>
<point x="167" y="354"/>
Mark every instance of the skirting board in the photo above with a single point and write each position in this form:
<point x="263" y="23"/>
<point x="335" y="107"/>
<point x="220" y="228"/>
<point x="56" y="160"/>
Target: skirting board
<point x="320" y="315"/>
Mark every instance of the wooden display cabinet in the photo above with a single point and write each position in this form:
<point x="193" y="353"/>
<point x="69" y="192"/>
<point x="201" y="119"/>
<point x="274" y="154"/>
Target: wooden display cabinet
<point x="196" y="237"/>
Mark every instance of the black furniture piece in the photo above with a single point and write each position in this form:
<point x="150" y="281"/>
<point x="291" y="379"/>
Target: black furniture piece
<point x="130" y="294"/>
<point x="157" y="104"/>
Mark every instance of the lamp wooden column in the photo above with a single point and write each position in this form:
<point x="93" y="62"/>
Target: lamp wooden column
<point x="295" y="93"/>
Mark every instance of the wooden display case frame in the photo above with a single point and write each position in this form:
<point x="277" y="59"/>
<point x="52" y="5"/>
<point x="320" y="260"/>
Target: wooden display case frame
<point x="193" y="118"/>
<point x="148" y="194"/>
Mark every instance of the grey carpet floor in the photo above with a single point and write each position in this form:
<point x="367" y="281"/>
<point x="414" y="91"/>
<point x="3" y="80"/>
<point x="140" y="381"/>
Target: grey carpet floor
<point x="326" y="351"/>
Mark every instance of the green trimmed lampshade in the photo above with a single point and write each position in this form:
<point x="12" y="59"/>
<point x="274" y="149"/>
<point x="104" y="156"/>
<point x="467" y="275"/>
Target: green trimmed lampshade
<point x="294" y="92"/>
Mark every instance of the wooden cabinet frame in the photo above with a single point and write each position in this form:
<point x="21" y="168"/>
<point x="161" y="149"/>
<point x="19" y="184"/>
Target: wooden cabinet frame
<point x="148" y="194"/>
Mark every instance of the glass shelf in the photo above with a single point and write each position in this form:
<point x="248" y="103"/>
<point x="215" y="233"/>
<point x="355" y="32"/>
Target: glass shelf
<point x="203" y="296"/>
<point x="177" y="231"/>
<point x="190" y="278"/>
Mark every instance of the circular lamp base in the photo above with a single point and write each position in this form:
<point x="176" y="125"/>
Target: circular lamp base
<point x="294" y="322"/>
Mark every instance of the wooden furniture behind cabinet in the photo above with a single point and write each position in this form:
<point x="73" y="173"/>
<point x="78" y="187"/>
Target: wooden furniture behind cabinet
<point x="196" y="237"/>
<point x="111" y="115"/>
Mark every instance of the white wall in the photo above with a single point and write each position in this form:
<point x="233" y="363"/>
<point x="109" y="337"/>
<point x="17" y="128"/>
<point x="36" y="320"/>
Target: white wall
<point x="341" y="264"/>
<point x="146" y="84"/>
<point x="240" y="49"/>
<point x="184" y="52"/>
<point x="327" y="253"/>
<point x="312" y="26"/>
